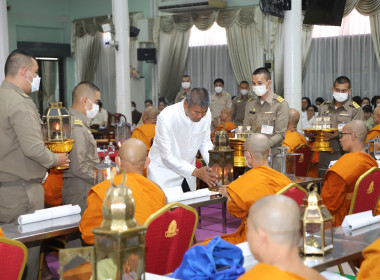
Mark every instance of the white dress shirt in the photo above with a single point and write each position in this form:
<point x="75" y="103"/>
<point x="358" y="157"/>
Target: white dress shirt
<point x="175" y="147"/>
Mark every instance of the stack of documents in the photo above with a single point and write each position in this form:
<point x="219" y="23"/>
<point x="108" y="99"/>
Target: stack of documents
<point x="176" y="194"/>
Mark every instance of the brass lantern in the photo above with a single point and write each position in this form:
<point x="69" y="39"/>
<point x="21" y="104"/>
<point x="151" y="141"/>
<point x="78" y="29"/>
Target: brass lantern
<point x="222" y="158"/>
<point x="316" y="225"/>
<point x="119" y="241"/>
<point x="57" y="129"/>
<point x="103" y="170"/>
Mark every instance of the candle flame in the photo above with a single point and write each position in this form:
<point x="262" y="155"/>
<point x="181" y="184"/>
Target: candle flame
<point x="57" y="127"/>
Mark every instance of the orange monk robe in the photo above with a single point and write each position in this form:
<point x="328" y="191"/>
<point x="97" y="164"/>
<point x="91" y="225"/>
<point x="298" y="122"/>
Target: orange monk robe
<point x="53" y="187"/>
<point x="373" y="133"/>
<point x="293" y="140"/>
<point x="1" y="232"/>
<point x="145" y="133"/>
<point x="148" y="199"/>
<point x="339" y="183"/>
<point x="370" y="268"/>
<point x="246" y="190"/>
<point x="228" y="127"/>
<point x="264" y="271"/>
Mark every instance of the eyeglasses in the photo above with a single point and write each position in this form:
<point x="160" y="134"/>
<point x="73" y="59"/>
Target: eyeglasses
<point x="341" y="134"/>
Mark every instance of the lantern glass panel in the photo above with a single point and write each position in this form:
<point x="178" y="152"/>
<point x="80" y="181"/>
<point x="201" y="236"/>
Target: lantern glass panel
<point x="53" y="112"/>
<point x="228" y="173"/>
<point x="217" y="169"/>
<point x="313" y="239"/>
<point x="64" y="111"/>
<point x="66" y="129"/>
<point x="328" y="234"/>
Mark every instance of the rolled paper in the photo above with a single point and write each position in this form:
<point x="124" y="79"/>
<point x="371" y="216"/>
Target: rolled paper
<point x="176" y="194"/>
<point x="49" y="213"/>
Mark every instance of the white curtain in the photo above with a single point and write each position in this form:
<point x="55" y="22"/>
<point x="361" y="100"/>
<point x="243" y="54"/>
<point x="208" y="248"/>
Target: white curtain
<point x="206" y="63"/>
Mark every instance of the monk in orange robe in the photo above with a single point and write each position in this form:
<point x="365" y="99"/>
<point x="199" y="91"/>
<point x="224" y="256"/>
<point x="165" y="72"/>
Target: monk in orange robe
<point x="225" y="122"/>
<point x="1" y="232"/>
<point x="339" y="181"/>
<point x="374" y="132"/>
<point x="370" y="269"/>
<point x="273" y="235"/>
<point x="258" y="182"/>
<point x="293" y="139"/>
<point x="147" y="131"/>
<point x="148" y="196"/>
<point x="53" y="187"/>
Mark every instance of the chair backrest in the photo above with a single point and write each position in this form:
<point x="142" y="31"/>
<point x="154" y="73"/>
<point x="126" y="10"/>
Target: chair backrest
<point x="303" y="161"/>
<point x="366" y="193"/>
<point x="294" y="191"/>
<point x="13" y="255"/>
<point x="169" y="235"/>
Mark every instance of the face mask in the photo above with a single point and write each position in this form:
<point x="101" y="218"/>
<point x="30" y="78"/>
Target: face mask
<point x="133" y="109"/>
<point x="35" y="83"/>
<point x="244" y="91"/>
<point x="377" y="104"/>
<point x="340" y="97"/>
<point x="218" y="89"/>
<point x="185" y="85"/>
<point x="93" y="112"/>
<point x="260" y="90"/>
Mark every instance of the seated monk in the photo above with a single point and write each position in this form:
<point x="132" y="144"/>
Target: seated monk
<point x="148" y="196"/>
<point x="225" y="122"/>
<point x="147" y="131"/>
<point x="339" y="180"/>
<point x="258" y="182"/>
<point x="370" y="269"/>
<point x="273" y="235"/>
<point x="53" y="188"/>
<point x="293" y="139"/>
<point x="374" y="132"/>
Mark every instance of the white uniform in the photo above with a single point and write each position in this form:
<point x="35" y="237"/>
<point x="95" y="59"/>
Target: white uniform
<point x="175" y="147"/>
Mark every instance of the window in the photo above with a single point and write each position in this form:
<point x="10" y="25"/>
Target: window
<point x="216" y="35"/>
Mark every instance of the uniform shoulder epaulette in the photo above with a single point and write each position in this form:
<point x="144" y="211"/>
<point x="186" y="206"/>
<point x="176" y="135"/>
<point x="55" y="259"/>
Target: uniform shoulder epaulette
<point x="78" y="122"/>
<point x="356" y="105"/>
<point x="325" y="102"/>
<point x="250" y="99"/>
<point x="24" y="94"/>
<point x="227" y="93"/>
<point x="280" y="99"/>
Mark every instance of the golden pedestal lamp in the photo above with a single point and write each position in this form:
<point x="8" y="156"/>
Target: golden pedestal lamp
<point x="57" y="129"/>
<point x="119" y="241"/>
<point x="321" y="126"/>
<point x="316" y="225"/>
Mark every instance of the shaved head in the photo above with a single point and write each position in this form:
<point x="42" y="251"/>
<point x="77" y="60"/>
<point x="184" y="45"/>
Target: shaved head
<point x="279" y="217"/>
<point x="84" y="89"/>
<point x="376" y="115"/>
<point x="16" y="60"/>
<point x="133" y="154"/>
<point x="358" y="128"/>
<point x="294" y="117"/>
<point x="227" y="111"/>
<point x="150" y="114"/>
<point x="258" y="146"/>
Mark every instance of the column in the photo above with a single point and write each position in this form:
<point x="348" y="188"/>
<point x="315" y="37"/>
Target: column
<point x="120" y="16"/>
<point x="4" y="43"/>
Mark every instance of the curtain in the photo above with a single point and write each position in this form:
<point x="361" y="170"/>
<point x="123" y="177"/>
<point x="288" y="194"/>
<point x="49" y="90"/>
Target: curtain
<point x="206" y="63"/>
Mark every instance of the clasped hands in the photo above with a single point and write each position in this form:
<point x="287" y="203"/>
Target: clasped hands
<point x="206" y="175"/>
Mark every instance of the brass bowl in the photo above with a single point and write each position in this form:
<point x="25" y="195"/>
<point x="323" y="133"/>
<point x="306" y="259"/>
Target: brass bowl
<point x="64" y="146"/>
<point x="238" y="145"/>
<point x="321" y="144"/>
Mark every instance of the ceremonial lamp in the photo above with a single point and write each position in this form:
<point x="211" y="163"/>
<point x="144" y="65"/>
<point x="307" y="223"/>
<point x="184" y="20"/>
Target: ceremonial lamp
<point x="57" y="130"/>
<point x="321" y="126"/>
<point x="237" y="143"/>
<point x="222" y="158"/>
<point x="103" y="170"/>
<point x="316" y="225"/>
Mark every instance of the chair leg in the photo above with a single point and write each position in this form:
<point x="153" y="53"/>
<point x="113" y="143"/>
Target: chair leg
<point x="340" y="270"/>
<point x="199" y="217"/>
<point x="41" y="263"/>
<point x="224" y="217"/>
<point x="351" y="264"/>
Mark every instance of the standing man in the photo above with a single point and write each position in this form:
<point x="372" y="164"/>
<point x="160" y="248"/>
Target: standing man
<point x="136" y="115"/>
<point x="186" y="85"/>
<point x="24" y="156"/>
<point x="181" y="130"/>
<point x="341" y="110"/>
<point x="239" y="103"/>
<point x="79" y="178"/>
<point x="268" y="113"/>
<point x="219" y="100"/>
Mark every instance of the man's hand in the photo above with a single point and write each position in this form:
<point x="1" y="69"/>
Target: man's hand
<point x="206" y="176"/>
<point x="63" y="159"/>
<point x="331" y="136"/>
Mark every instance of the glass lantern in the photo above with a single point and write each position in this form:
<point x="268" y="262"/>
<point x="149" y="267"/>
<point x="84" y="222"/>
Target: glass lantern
<point x="119" y="241"/>
<point x="316" y="224"/>
<point x="103" y="171"/>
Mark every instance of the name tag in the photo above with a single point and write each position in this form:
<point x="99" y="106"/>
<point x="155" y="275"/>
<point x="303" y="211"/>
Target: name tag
<point x="267" y="129"/>
<point x="340" y="126"/>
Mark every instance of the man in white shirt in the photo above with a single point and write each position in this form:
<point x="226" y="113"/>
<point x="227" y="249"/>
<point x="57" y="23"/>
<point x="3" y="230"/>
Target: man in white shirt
<point x="181" y="130"/>
<point x="101" y="118"/>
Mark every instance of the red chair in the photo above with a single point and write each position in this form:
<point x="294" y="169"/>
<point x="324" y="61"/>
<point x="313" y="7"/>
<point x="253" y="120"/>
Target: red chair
<point x="303" y="161"/>
<point x="294" y="191"/>
<point x="169" y="235"/>
<point x="13" y="255"/>
<point x="366" y="192"/>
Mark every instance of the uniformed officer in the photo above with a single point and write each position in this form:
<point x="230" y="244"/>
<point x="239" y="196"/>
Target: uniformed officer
<point x="186" y="85"/>
<point x="219" y="100"/>
<point x="24" y="157"/>
<point x="79" y="178"/>
<point x="239" y="103"/>
<point x="268" y="113"/>
<point x="341" y="110"/>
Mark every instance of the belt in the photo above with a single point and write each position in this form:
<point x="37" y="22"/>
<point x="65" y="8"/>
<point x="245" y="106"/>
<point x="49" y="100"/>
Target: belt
<point x="19" y="183"/>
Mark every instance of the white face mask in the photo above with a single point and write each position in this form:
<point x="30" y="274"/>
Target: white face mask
<point x="377" y="104"/>
<point x="340" y="97"/>
<point x="133" y="109"/>
<point x="218" y="89"/>
<point x="35" y="83"/>
<point x="93" y="112"/>
<point x="260" y="90"/>
<point x="185" y="85"/>
<point x="244" y="91"/>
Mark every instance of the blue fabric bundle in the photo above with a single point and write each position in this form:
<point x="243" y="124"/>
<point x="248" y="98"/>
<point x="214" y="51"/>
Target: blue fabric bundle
<point x="219" y="260"/>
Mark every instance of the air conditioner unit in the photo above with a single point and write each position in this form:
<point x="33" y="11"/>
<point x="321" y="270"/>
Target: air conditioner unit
<point x="182" y="6"/>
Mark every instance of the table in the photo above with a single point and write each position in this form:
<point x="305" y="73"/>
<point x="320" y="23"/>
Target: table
<point x="304" y="181"/>
<point x="111" y="155"/>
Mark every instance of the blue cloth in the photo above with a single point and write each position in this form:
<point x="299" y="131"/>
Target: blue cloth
<point x="219" y="260"/>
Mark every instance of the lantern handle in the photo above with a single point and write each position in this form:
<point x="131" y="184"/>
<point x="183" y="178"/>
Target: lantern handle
<point x="312" y="187"/>
<point x="113" y="173"/>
